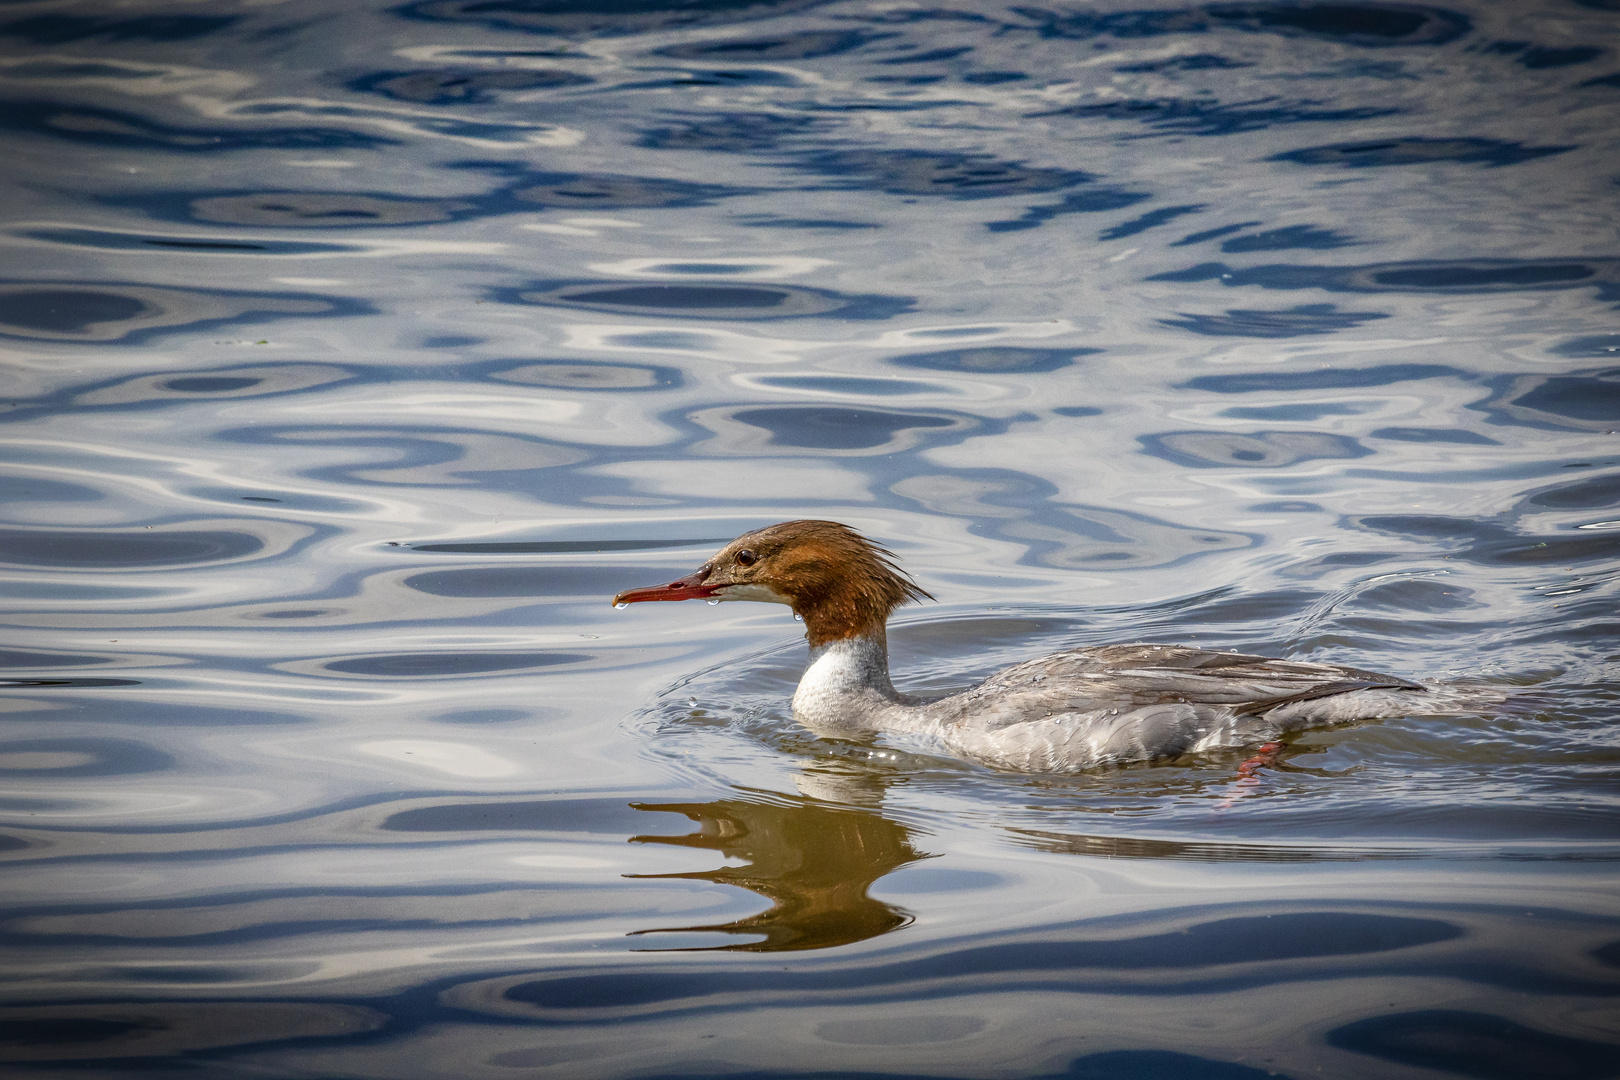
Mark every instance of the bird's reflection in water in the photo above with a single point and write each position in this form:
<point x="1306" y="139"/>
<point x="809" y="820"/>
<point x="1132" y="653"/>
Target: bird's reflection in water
<point x="813" y="860"/>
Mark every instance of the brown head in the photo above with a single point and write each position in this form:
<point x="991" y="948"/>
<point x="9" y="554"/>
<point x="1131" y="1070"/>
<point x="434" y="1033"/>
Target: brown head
<point x="841" y="583"/>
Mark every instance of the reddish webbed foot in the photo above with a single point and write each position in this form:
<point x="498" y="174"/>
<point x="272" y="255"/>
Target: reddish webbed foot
<point x="1265" y="755"/>
<point x="1247" y="781"/>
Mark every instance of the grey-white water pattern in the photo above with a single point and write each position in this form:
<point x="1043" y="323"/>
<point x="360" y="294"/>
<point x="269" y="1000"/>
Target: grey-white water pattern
<point x="355" y="356"/>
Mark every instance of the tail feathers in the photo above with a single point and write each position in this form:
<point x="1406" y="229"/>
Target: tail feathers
<point x="1370" y="699"/>
<point x="1332" y="689"/>
<point x="1465" y="697"/>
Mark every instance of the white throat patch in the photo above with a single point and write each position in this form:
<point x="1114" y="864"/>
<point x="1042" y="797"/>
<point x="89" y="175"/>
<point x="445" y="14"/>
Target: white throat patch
<point x="750" y="591"/>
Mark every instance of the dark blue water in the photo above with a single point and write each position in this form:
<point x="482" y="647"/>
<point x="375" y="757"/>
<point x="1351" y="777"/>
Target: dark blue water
<point x="353" y="357"/>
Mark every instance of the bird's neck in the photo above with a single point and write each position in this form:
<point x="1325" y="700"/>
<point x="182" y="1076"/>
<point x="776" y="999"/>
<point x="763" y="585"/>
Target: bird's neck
<point x="847" y="683"/>
<point x="842" y="601"/>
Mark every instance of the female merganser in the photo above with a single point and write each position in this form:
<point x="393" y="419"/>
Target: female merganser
<point x="1072" y="710"/>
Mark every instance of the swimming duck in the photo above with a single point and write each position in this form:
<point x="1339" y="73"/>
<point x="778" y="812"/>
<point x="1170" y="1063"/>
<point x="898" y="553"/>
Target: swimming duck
<point x="1070" y="711"/>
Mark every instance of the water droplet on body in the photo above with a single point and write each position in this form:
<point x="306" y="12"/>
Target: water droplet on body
<point x="797" y="617"/>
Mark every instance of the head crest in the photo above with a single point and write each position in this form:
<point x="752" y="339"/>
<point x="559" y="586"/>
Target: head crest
<point x="841" y="582"/>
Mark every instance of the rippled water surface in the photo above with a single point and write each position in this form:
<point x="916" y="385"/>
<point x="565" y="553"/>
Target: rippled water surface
<point x="354" y="356"/>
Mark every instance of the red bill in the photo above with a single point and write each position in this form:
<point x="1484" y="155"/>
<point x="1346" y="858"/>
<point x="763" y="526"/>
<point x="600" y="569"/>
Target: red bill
<point x="690" y="587"/>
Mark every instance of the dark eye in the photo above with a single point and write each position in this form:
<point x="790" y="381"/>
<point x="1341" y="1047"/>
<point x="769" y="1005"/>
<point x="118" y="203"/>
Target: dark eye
<point x="746" y="558"/>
